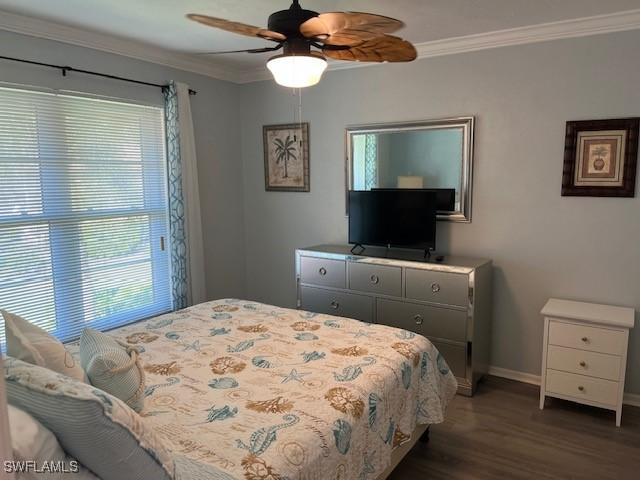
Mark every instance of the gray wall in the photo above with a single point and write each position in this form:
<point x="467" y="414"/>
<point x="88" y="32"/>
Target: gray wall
<point x="216" y="124"/>
<point x="542" y="244"/>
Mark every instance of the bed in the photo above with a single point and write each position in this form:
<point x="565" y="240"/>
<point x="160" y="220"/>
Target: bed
<point x="252" y="391"/>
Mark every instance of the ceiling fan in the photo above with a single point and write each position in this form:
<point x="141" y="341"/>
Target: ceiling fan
<point x="350" y="36"/>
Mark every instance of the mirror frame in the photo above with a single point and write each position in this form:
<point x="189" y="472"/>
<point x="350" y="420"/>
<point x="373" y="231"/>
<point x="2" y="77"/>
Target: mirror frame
<point x="466" y="123"/>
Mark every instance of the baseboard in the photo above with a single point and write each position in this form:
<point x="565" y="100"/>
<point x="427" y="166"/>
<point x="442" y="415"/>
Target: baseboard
<point x="515" y="375"/>
<point x="629" y="398"/>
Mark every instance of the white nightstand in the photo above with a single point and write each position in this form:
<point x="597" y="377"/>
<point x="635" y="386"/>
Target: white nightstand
<point x="584" y="354"/>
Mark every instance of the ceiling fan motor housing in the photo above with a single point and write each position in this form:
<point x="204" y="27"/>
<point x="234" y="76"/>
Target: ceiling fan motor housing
<point x="288" y="21"/>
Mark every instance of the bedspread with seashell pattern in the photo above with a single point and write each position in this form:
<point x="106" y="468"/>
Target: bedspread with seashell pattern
<point x="258" y="392"/>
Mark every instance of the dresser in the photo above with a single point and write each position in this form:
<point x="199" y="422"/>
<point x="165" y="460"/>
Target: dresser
<point x="448" y="301"/>
<point x="584" y="353"/>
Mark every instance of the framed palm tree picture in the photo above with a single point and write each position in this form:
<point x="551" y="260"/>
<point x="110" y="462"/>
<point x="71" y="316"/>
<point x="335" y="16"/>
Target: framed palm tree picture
<point x="286" y="157"/>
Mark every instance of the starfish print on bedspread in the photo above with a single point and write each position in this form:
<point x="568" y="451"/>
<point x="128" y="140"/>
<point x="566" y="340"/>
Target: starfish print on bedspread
<point x="294" y="375"/>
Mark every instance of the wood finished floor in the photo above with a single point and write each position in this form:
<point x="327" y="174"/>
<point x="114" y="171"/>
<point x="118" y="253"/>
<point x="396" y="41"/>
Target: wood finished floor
<point x="501" y="434"/>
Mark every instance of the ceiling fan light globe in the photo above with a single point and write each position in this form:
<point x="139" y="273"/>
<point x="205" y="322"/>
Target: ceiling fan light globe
<point x="297" y="71"/>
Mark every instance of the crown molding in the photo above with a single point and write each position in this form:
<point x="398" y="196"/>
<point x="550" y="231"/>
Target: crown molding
<point x="112" y="44"/>
<point x="544" y="32"/>
<point x="578" y="27"/>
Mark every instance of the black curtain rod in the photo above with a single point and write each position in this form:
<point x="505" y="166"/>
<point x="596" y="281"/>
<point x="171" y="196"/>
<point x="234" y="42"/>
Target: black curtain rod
<point x="64" y="69"/>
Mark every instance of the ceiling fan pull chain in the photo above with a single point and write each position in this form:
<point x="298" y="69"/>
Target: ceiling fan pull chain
<point x="300" y="112"/>
<point x="293" y="93"/>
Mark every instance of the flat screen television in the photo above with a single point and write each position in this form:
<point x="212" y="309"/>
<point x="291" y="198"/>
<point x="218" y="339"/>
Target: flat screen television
<point x="393" y="218"/>
<point x="445" y="197"/>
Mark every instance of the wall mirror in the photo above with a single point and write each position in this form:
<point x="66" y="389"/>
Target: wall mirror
<point x="432" y="154"/>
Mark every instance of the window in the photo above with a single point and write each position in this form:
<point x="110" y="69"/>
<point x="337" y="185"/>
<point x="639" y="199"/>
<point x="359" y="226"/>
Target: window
<point x="83" y="211"/>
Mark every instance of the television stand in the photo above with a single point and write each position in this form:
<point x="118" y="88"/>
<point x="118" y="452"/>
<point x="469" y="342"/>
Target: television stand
<point x="447" y="300"/>
<point x="357" y="246"/>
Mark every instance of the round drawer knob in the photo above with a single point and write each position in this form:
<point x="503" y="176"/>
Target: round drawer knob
<point x="583" y="363"/>
<point x="435" y="287"/>
<point x="335" y="305"/>
<point x="374" y="279"/>
<point x="581" y="388"/>
<point x="322" y="271"/>
<point x="418" y="319"/>
<point x="585" y="339"/>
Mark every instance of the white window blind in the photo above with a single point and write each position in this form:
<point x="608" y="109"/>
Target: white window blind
<point x="83" y="211"/>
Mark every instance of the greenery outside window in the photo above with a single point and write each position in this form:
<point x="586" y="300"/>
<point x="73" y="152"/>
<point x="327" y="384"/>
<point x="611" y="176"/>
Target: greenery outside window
<point x="83" y="211"/>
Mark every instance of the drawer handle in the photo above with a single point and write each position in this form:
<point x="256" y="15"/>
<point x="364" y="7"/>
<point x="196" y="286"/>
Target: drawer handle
<point x="435" y="287"/>
<point x="581" y="388"/>
<point x="374" y="279"/>
<point x="418" y="319"/>
<point x="335" y="305"/>
<point x="322" y="271"/>
<point x="583" y="363"/>
<point x="585" y="339"/>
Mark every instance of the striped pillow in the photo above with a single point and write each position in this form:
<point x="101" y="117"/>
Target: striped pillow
<point x="112" y="367"/>
<point x="97" y="429"/>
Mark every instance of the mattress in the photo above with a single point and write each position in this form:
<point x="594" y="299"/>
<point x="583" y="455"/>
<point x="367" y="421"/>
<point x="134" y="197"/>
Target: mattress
<point x="246" y="390"/>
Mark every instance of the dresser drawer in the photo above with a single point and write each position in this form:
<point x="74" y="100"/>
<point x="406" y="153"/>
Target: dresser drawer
<point x="438" y="287"/>
<point x="323" y="271"/>
<point x="593" y="364"/>
<point x="341" y="304"/>
<point x="381" y="279"/>
<point x="593" y="339"/>
<point x="432" y="322"/>
<point x="455" y="356"/>
<point x="582" y="387"/>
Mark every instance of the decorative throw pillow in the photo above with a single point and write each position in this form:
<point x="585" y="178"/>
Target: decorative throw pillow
<point x="113" y="367"/>
<point x="97" y="429"/>
<point x="32" y="344"/>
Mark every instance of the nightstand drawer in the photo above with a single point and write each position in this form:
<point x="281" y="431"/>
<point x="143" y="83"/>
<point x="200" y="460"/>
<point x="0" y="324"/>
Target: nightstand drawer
<point x="437" y="287"/>
<point x="426" y="320"/>
<point x="337" y="303"/>
<point x="381" y="279"/>
<point x="593" y="339"/>
<point x="592" y="364"/>
<point x="323" y="271"/>
<point x="581" y="387"/>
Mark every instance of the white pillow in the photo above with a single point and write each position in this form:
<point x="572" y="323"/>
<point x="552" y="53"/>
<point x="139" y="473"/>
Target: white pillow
<point x="32" y="441"/>
<point x="32" y="344"/>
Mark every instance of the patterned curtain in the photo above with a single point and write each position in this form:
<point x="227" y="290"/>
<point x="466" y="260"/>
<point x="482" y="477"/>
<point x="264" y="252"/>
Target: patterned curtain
<point x="370" y="161"/>
<point x="177" y="237"/>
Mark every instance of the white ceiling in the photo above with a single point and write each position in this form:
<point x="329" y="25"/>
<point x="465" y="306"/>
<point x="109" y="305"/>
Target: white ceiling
<point x="162" y="23"/>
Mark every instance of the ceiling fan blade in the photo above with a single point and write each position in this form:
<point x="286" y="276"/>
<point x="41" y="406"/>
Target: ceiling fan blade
<point x="236" y="27"/>
<point x="249" y="50"/>
<point x="348" y="28"/>
<point x="386" y="48"/>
